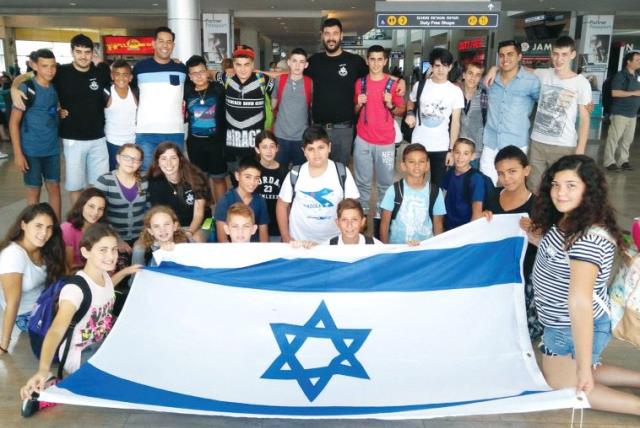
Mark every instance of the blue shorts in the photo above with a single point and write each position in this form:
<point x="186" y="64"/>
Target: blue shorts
<point x="42" y="167"/>
<point x="559" y="341"/>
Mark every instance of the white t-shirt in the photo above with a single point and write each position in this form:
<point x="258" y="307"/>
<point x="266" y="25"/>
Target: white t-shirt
<point x="555" y="121"/>
<point x="314" y="208"/>
<point x="96" y="323"/>
<point x="14" y="259"/>
<point x="437" y="102"/>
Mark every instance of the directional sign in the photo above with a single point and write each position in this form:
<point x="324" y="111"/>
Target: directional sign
<point x="437" y="20"/>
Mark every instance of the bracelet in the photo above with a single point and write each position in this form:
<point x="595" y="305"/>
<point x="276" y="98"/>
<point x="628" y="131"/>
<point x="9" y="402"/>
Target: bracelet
<point x="411" y="113"/>
<point x="4" y="350"/>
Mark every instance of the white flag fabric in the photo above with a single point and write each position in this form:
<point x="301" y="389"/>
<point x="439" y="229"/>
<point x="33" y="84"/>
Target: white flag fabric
<point x="366" y="331"/>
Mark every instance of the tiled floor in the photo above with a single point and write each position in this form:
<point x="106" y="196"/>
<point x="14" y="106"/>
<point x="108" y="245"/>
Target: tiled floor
<point x="15" y="368"/>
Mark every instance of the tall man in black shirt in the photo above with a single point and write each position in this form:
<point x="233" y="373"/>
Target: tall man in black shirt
<point x="335" y="73"/>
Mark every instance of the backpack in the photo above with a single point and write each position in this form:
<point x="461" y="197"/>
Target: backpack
<point x="363" y="90"/>
<point x="624" y="294"/>
<point x="398" y="189"/>
<point x="406" y="131"/>
<point x="367" y="240"/>
<point x="489" y="188"/>
<point x="268" y="111"/>
<point x="341" y="170"/>
<point x="45" y="310"/>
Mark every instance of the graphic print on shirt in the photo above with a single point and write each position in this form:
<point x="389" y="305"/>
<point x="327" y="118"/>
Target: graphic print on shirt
<point x="342" y="70"/>
<point x="99" y="324"/>
<point x="202" y="116"/>
<point x="269" y="186"/>
<point x="244" y="112"/>
<point x="553" y="108"/>
<point x="432" y="113"/>
<point x="317" y="205"/>
<point x="412" y="215"/>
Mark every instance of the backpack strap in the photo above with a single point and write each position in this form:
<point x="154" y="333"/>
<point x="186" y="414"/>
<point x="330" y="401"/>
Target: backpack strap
<point x="368" y="240"/>
<point x="342" y="176"/>
<point x="282" y="82"/>
<point x="363" y="91"/>
<point x="333" y="241"/>
<point x="85" y="304"/>
<point x="398" y="190"/>
<point x="308" y="89"/>
<point x="466" y="184"/>
<point x="433" y="195"/>
<point x="418" y="95"/>
<point x="31" y="94"/>
<point x="484" y="105"/>
<point x="294" y="174"/>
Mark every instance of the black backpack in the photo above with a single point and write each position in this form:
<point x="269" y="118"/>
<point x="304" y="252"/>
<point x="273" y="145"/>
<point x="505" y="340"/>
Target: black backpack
<point x="341" y="170"/>
<point x="398" y="189"/>
<point x="404" y="128"/>
<point x="367" y="240"/>
<point x="489" y="188"/>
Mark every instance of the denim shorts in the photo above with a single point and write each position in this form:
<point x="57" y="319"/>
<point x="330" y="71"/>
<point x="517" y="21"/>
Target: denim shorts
<point x="559" y="341"/>
<point x="42" y="167"/>
<point x="85" y="161"/>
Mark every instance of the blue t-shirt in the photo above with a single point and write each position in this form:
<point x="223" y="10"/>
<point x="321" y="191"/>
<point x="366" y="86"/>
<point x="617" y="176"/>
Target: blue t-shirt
<point x="457" y="203"/>
<point x="39" y="125"/>
<point x="413" y="221"/>
<point x="258" y="205"/>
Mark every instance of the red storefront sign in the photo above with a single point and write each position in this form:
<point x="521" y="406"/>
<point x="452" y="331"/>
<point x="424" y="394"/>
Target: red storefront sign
<point x="471" y="44"/>
<point x="127" y="45"/>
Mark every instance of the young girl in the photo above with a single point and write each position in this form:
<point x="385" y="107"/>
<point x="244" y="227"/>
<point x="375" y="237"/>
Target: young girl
<point x="351" y="221"/>
<point x="99" y="246"/>
<point x="31" y="256"/>
<point x="272" y="174"/>
<point x="126" y="194"/>
<point x="161" y="231"/>
<point x="573" y="264"/>
<point x="175" y="182"/>
<point x="513" y="197"/>
<point x="88" y="209"/>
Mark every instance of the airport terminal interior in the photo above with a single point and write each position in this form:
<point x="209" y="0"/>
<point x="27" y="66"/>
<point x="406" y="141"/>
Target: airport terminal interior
<point x="122" y="29"/>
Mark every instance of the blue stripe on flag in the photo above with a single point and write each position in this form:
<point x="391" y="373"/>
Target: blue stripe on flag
<point x="92" y="382"/>
<point x="471" y="266"/>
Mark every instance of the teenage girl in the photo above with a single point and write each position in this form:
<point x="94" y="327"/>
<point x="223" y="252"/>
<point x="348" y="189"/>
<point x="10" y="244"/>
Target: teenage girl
<point x="579" y="236"/>
<point x="161" y="232"/>
<point x="88" y="209"/>
<point x="31" y="256"/>
<point x="175" y="182"/>
<point x="99" y="246"/>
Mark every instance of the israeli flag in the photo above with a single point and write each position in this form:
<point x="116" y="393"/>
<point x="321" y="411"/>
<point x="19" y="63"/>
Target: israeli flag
<point x="367" y="331"/>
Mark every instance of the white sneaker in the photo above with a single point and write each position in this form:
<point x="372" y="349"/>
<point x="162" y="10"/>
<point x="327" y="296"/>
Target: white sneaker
<point x="3" y="155"/>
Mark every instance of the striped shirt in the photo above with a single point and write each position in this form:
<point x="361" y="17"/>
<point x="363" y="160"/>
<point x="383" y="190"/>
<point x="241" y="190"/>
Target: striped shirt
<point x="551" y="274"/>
<point x="126" y="217"/>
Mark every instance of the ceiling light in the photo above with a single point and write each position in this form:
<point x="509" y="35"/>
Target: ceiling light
<point x="73" y="4"/>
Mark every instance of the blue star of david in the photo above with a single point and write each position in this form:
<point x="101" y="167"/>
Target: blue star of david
<point x="321" y="325"/>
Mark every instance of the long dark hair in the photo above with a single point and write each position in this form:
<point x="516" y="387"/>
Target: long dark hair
<point x="75" y="213"/>
<point x="594" y="209"/>
<point x="53" y="250"/>
<point x="187" y="172"/>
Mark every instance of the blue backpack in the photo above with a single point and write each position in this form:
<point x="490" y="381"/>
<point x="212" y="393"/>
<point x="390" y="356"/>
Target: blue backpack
<point x="45" y="310"/>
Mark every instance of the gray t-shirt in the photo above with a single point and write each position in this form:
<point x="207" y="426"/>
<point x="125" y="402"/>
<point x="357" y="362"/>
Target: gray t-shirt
<point x="293" y="113"/>
<point x="627" y="106"/>
<point x="471" y="124"/>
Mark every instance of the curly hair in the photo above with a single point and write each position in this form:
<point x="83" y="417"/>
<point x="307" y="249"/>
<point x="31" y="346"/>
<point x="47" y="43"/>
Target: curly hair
<point x="188" y="172"/>
<point x="74" y="216"/>
<point x="52" y="251"/>
<point x="147" y="239"/>
<point x="594" y="209"/>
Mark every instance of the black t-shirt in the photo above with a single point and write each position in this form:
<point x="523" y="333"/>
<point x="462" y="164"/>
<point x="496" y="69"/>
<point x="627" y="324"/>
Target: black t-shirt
<point x="205" y="110"/>
<point x="269" y="189"/>
<point x="180" y="197"/>
<point x="334" y="81"/>
<point x="527" y="207"/>
<point x="81" y="93"/>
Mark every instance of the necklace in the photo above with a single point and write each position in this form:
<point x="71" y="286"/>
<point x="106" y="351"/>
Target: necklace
<point x="202" y="95"/>
<point x="174" y="187"/>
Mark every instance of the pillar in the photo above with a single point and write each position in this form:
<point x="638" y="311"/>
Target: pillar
<point x="183" y="17"/>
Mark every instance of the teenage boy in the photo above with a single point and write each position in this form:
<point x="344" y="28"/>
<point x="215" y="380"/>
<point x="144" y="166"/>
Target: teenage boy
<point x="34" y="133"/>
<point x="374" y="150"/>
<point x="291" y="105"/>
<point x="334" y="73"/>
<point x="351" y="221"/>
<point x="82" y="88"/>
<point x="161" y="84"/>
<point x="464" y="188"/>
<point x="248" y="177"/>
<point x="204" y="105"/>
<point x="511" y="99"/>
<point x="306" y="208"/>
<point x="625" y="93"/>
<point x="412" y="209"/>
<point x="474" y="113"/>
<point x="272" y="175"/>
<point x="563" y="94"/>
<point x="246" y="105"/>
<point x="429" y="116"/>
<point x="241" y="223"/>
<point x="120" y="112"/>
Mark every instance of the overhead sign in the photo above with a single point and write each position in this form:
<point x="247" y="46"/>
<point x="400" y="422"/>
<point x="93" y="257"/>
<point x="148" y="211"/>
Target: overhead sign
<point x="437" y="20"/>
<point x="125" y="45"/>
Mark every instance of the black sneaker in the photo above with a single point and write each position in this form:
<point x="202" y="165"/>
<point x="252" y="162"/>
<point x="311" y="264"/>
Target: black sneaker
<point x="613" y="167"/>
<point x="626" y="166"/>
